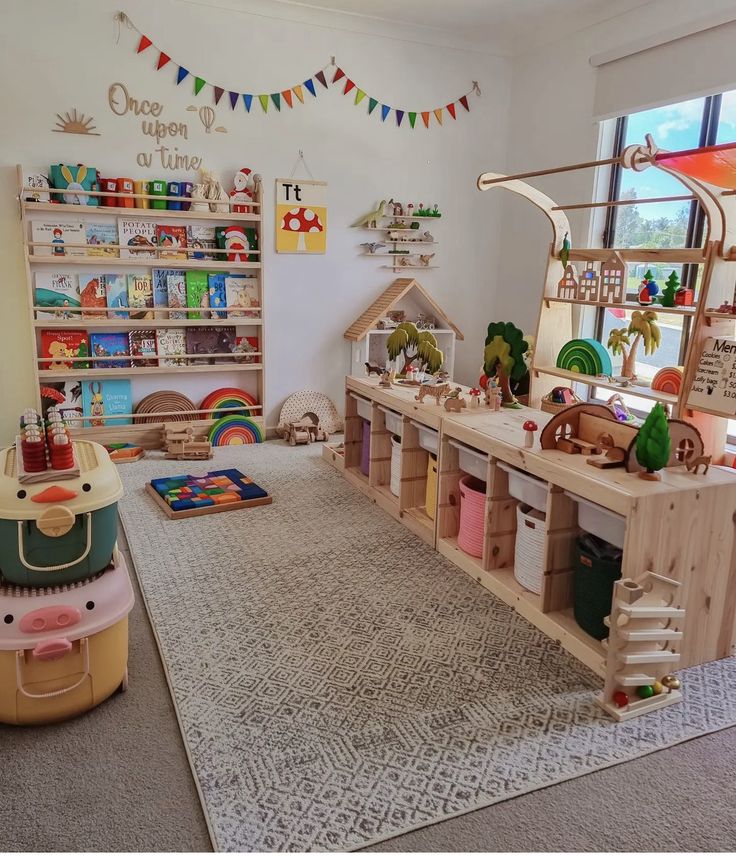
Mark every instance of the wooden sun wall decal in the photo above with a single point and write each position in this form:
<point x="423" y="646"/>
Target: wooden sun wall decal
<point x="75" y="123"/>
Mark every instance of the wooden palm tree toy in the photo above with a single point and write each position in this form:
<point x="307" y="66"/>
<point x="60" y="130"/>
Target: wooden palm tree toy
<point x="643" y="325"/>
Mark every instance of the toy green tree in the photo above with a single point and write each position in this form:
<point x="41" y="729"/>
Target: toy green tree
<point x="644" y="326"/>
<point x="414" y="344"/>
<point x="653" y="443"/>
<point x="670" y="287"/>
<point x="503" y="356"/>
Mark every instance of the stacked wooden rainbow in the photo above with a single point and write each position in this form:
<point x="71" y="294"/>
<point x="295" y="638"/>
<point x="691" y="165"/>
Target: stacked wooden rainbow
<point x="668" y="380"/>
<point x="584" y="356"/>
<point x="235" y="430"/>
<point x="228" y="397"/>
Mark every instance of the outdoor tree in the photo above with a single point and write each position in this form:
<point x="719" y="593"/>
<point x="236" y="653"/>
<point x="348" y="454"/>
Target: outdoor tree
<point x="643" y="326"/>
<point x="413" y="344"/>
<point x="653" y="443"/>
<point x="503" y="356"/>
<point x="670" y="287"/>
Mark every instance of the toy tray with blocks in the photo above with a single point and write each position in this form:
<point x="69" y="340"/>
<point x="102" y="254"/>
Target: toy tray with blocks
<point x="218" y="491"/>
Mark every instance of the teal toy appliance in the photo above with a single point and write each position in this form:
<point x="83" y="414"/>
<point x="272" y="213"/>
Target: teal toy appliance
<point x="62" y="529"/>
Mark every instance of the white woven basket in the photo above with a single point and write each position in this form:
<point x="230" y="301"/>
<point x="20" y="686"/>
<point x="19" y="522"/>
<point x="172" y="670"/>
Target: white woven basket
<point x="531" y="529"/>
<point x="395" y="465"/>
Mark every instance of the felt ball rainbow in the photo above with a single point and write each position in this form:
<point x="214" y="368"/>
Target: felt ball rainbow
<point x="233" y="430"/>
<point x="668" y="380"/>
<point x="586" y="356"/>
<point x="228" y="397"/>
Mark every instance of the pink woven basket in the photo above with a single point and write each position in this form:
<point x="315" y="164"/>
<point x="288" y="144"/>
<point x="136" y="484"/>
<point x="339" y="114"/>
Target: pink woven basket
<point x="472" y="515"/>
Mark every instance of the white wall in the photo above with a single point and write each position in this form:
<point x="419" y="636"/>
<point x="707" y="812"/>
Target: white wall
<point x="551" y="123"/>
<point x="51" y="62"/>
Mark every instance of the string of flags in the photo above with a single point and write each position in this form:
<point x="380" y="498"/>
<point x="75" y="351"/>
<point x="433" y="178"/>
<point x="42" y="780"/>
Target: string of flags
<point x="298" y="93"/>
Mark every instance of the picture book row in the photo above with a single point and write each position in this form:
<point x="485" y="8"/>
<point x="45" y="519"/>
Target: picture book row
<point x="140" y="239"/>
<point x="67" y="350"/>
<point x="185" y="294"/>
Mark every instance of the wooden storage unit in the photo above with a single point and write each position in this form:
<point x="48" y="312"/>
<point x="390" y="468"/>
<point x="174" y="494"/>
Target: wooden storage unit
<point x="682" y="527"/>
<point x="192" y="380"/>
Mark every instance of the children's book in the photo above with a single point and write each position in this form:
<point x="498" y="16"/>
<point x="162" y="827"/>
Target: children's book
<point x="58" y="233"/>
<point x="105" y="398"/>
<point x="138" y="236"/>
<point x="218" y="299"/>
<point x="246" y="346"/>
<point x="237" y="240"/>
<point x="142" y="343"/>
<point x="202" y="240"/>
<point x="116" y="292"/>
<point x="109" y="345"/>
<point x="92" y="295"/>
<point x="176" y="288"/>
<point x="172" y="238"/>
<point x="140" y="296"/>
<point x="171" y="341"/>
<point x="210" y="340"/>
<point x="63" y="345"/>
<point x="160" y="290"/>
<point x="67" y="397"/>
<point x="197" y="292"/>
<point x="99" y="235"/>
<point x="242" y="296"/>
<point x="57" y="293"/>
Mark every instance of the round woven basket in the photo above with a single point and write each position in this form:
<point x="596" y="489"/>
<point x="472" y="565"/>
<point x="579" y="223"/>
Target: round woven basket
<point x="472" y="515"/>
<point x="551" y="407"/>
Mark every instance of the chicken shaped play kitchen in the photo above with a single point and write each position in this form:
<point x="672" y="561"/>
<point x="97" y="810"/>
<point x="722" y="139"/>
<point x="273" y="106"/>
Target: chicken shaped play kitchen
<point x="62" y="529"/>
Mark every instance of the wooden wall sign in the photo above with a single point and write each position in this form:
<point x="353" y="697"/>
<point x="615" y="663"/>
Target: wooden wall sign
<point x="301" y="216"/>
<point x="714" y="385"/>
<point x="75" y="123"/>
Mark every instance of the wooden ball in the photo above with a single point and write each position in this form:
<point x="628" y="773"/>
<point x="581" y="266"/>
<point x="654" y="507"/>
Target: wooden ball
<point x="645" y="691"/>
<point x="620" y="699"/>
<point x="671" y="682"/>
<point x="658" y="688"/>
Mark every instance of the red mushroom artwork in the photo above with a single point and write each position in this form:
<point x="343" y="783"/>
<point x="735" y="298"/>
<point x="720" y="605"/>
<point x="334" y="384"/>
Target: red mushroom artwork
<point x="304" y="222"/>
<point x="301" y="216"/>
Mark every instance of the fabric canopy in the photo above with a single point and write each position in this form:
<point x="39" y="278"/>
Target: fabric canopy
<point x="713" y="164"/>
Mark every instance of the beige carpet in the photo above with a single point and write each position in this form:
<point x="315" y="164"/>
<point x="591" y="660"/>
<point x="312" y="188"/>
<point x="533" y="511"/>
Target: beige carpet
<point x="354" y="688"/>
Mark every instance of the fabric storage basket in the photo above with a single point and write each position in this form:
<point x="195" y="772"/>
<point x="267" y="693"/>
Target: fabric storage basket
<point x="395" y="465"/>
<point x="61" y="530"/>
<point x="365" y="452"/>
<point x="431" y="494"/>
<point x="63" y="649"/>
<point x="531" y="528"/>
<point x="472" y="515"/>
<point x="595" y="575"/>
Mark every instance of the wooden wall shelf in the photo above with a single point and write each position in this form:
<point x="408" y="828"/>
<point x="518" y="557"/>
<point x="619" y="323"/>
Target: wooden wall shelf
<point x="592" y="381"/>
<point x="135" y="213"/>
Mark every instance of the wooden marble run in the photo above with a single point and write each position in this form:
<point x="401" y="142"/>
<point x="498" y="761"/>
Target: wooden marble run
<point x="643" y="646"/>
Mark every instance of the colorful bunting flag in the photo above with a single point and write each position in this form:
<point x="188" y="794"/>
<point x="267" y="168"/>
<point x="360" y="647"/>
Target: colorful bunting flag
<point x="144" y="43"/>
<point x="199" y="82"/>
<point x="321" y="78"/>
<point x="359" y="96"/>
<point x="438" y="115"/>
<point x="276" y="98"/>
<point x="310" y="86"/>
<point x="218" y="93"/>
<point x="412" y="118"/>
<point x="348" y="86"/>
<point x="234" y="98"/>
<point x="247" y="100"/>
<point x="286" y="95"/>
<point x="372" y="102"/>
<point x="181" y="74"/>
<point x="264" y="102"/>
<point x="385" y="110"/>
<point x="399" y="117"/>
<point x="162" y="60"/>
<point x="297" y="90"/>
<point x="464" y="101"/>
<point x="451" y="110"/>
<point x="425" y="118"/>
<point x="338" y="74"/>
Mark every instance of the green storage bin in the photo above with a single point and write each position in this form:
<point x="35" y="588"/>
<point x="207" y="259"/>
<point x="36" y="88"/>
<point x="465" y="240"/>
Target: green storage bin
<point x="593" y="586"/>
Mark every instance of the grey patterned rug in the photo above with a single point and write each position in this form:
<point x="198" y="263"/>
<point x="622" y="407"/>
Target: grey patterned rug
<point x="338" y="682"/>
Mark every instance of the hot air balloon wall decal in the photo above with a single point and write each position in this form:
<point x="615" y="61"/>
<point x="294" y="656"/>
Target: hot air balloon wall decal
<point x="301" y="216"/>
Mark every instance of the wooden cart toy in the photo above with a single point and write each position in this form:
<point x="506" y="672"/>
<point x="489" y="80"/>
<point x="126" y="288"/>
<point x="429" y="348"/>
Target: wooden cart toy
<point x="63" y="649"/>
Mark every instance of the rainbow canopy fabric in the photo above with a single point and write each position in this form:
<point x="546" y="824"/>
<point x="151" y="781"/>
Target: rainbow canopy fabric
<point x="713" y="164"/>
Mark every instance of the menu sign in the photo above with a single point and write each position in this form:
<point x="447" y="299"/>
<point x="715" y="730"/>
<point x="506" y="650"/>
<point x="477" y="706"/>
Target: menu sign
<point x="714" y="384"/>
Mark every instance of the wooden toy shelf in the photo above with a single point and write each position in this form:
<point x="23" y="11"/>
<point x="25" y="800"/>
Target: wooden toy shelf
<point x="592" y="381"/>
<point x="38" y="256"/>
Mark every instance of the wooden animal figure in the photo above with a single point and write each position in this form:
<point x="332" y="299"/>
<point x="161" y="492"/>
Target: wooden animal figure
<point x="97" y="404"/>
<point x="371" y="219"/>
<point x="404" y="261"/>
<point x="425" y="259"/>
<point x="386" y="378"/>
<point x="694" y="462"/>
<point x="434" y="390"/>
<point x="372" y="369"/>
<point x="455" y="402"/>
<point x="398" y="209"/>
<point x="493" y="397"/>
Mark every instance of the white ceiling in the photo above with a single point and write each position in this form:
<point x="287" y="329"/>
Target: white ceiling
<point x="504" y="26"/>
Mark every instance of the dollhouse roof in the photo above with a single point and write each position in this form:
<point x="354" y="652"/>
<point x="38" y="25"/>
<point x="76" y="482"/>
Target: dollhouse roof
<point x="387" y="301"/>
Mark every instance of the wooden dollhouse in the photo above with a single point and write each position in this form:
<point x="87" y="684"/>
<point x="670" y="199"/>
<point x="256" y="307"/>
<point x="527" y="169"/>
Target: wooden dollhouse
<point x="407" y="300"/>
<point x="567" y="288"/>
<point x="588" y="287"/>
<point x="613" y="281"/>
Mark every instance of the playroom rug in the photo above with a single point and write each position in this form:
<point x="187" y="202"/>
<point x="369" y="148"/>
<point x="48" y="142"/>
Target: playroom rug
<point x="337" y="682"/>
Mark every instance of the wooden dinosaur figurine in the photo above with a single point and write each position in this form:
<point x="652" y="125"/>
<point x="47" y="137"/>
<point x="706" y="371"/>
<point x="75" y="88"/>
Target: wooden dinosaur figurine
<point x="371" y="219"/>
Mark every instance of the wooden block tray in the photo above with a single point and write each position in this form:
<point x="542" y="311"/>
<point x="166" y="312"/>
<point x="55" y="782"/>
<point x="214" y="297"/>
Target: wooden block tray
<point x="178" y="514"/>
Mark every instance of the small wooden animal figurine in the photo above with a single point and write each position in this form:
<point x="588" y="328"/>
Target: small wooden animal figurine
<point x="434" y="390"/>
<point x="387" y="377"/>
<point x="398" y="209"/>
<point x="243" y="189"/>
<point x="529" y="428"/>
<point x="371" y="219"/>
<point x="493" y="396"/>
<point x="425" y="259"/>
<point x="370" y="247"/>
<point x="694" y="463"/>
<point x="404" y="261"/>
<point x="372" y="369"/>
<point x="454" y="401"/>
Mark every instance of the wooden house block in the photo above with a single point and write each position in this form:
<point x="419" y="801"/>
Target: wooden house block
<point x="613" y="281"/>
<point x="589" y="285"/>
<point x="567" y="287"/>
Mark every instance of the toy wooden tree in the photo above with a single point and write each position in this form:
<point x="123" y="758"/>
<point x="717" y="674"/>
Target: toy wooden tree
<point x="414" y="344"/>
<point x="669" y="290"/>
<point x="643" y="325"/>
<point x="653" y="443"/>
<point x="503" y="356"/>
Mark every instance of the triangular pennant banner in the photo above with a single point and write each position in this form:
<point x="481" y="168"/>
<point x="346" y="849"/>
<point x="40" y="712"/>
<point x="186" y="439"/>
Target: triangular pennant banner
<point x="464" y="101"/>
<point x="359" y="96"/>
<point x="425" y="118"/>
<point x="297" y="90"/>
<point x="412" y="119"/>
<point x="264" y="102"/>
<point x="385" y="110"/>
<point x="348" y="86"/>
<point x="451" y="110"/>
<point x="218" y="93"/>
<point x="438" y="115"/>
<point x="371" y="105"/>
<point x="181" y="74"/>
<point x="247" y="100"/>
<point x="286" y="95"/>
<point x="309" y="84"/>
<point x="144" y="43"/>
<point x="199" y="82"/>
<point x="338" y="74"/>
<point x="399" y="117"/>
<point x="234" y="98"/>
<point x="162" y="60"/>
<point x="276" y="98"/>
<point x="321" y="78"/>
